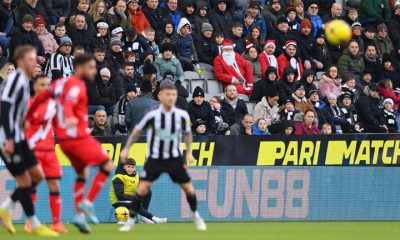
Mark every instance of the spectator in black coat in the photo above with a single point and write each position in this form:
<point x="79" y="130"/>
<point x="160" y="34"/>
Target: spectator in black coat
<point x="116" y="53"/>
<point x="373" y="63"/>
<point x="307" y="81"/>
<point x="60" y="10"/>
<point x="82" y="9"/>
<point x="35" y="9"/>
<point x="287" y="84"/>
<point x="202" y="10"/>
<point x="266" y="85"/>
<point x="236" y="37"/>
<point x="104" y="93"/>
<point x="80" y="33"/>
<point x="244" y="127"/>
<point x="232" y="107"/>
<point x="129" y="75"/>
<point x="25" y="35"/>
<point x="281" y="34"/>
<point x="101" y="127"/>
<point x="206" y="47"/>
<point x="201" y="110"/>
<point x="220" y="18"/>
<point x="335" y="115"/>
<point x="370" y="115"/>
<point x="153" y="14"/>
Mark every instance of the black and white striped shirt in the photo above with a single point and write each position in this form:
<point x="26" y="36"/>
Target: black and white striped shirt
<point x="60" y="62"/>
<point x="13" y="106"/>
<point x="164" y="132"/>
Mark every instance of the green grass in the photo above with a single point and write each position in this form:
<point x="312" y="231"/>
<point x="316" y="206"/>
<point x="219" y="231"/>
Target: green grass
<point x="236" y="231"/>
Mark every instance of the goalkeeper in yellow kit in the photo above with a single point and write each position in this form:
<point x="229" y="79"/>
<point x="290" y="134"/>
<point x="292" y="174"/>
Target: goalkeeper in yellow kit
<point x="123" y="188"/>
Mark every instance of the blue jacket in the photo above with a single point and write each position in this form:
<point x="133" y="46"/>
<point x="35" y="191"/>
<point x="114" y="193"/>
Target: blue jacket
<point x="186" y="47"/>
<point x="258" y="132"/>
<point x="260" y="21"/>
<point x="317" y="23"/>
<point x="137" y="108"/>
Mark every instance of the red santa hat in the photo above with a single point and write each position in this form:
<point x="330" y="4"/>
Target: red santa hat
<point x="227" y="44"/>
<point x="290" y="42"/>
<point x="270" y="42"/>
<point x="249" y="44"/>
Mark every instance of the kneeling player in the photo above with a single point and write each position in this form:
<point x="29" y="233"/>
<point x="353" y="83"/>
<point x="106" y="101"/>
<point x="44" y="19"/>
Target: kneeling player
<point x="40" y="136"/>
<point x="123" y="187"/>
<point x="165" y="127"/>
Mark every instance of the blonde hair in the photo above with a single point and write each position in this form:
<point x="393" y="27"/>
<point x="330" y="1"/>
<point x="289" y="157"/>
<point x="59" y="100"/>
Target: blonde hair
<point x="93" y="12"/>
<point x="4" y="69"/>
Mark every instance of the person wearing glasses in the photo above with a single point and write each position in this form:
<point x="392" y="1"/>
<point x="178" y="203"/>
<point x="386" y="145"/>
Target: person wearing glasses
<point x="312" y="13"/>
<point x="382" y="40"/>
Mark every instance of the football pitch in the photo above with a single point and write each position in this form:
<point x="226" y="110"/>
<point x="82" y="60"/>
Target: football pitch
<point x="234" y="231"/>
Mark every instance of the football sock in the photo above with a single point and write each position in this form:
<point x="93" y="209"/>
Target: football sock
<point x="26" y="201"/>
<point x="35" y="223"/>
<point x="55" y="206"/>
<point x="192" y="200"/>
<point x="8" y="203"/>
<point x="79" y="190"/>
<point x="98" y="182"/>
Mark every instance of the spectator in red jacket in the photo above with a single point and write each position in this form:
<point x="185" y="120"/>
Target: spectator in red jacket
<point x="138" y="19"/>
<point x="231" y="68"/>
<point x="290" y="58"/>
<point x="308" y="126"/>
<point x="267" y="57"/>
<point x="386" y="91"/>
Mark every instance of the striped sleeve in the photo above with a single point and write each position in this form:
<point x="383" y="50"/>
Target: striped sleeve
<point x="12" y="91"/>
<point x="144" y="123"/>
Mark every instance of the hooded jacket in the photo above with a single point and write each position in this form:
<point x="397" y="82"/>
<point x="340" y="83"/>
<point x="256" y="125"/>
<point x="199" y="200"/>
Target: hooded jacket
<point x="308" y="86"/>
<point x="264" y="86"/>
<point x="198" y="20"/>
<point x="368" y="111"/>
<point x="221" y="21"/>
<point x="206" y="49"/>
<point x="286" y="88"/>
<point x="186" y="51"/>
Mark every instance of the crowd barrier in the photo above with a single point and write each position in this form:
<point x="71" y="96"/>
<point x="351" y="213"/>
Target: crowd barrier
<point x="353" y="177"/>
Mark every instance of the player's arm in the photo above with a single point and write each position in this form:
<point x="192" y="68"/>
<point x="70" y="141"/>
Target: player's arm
<point x="39" y="99"/>
<point x="188" y="139"/>
<point x="72" y="96"/>
<point x="132" y="139"/>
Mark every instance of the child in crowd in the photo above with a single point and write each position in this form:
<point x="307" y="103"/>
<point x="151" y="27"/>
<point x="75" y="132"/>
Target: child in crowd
<point x="48" y="41"/>
<point x="186" y="53"/>
<point x="326" y="129"/>
<point x="117" y="33"/>
<point x="288" y="112"/>
<point x="120" y="108"/>
<point x="390" y="115"/>
<point x="199" y="128"/>
<point x="59" y="32"/>
<point x="147" y="41"/>
<point x="219" y="39"/>
<point x="288" y="128"/>
<point x="236" y="37"/>
<point x="247" y="24"/>
<point x="369" y="35"/>
<point x="260" y="128"/>
<point x="294" y="25"/>
<point x="351" y="16"/>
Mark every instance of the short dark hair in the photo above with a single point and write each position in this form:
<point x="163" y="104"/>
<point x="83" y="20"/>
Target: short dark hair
<point x="129" y="64"/>
<point x="131" y="32"/>
<point x="99" y="49"/>
<point x="218" y="34"/>
<point x="83" y="59"/>
<point x="237" y="25"/>
<point x="21" y="51"/>
<point x="272" y="94"/>
<point x="59" y="24"/>
<point x="351" y="76"/>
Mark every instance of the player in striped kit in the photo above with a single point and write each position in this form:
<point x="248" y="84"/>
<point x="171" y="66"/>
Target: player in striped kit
<point x="40" y="135"/>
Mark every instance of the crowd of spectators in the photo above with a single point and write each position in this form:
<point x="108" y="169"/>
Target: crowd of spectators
<point x="273" y="51"/>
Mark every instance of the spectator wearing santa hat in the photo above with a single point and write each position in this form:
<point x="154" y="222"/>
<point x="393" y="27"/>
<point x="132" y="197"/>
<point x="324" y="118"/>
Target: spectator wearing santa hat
<point x="267" y="57"/>
<point x="290" y="58"/>
<point x="231" y="68"/>
<point x="48" y="41"/>
<point x="251" y="56"/>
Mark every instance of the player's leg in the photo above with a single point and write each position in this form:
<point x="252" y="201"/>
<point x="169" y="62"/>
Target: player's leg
<point x="37" y="175"/>
<point x="192" y="200"/>
<point x="141" y="192"/>
<point x="79" y="193"/>
<point x="55" y="205"/>
<point x="98" y="182"/>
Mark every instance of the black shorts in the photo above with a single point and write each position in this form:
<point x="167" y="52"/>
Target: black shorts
<point x="22" y="159"/>
<point x="175" y="167"/>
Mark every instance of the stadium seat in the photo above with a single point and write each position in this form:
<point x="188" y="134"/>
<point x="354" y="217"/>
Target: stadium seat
<point x="250" y="106"/>
<point x="186" y="84"/>
<point x="191" y="75"/>
<point x="244" y="97"/>
<point x="319" y="75"/>
<point x="214" y="87"/>
<point x="207" y="75"/>
<point x="197" y="83"/>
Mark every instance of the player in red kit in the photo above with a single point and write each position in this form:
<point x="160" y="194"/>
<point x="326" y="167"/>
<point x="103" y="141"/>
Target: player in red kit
<point x="40" y="135"/>
<point x="74" y="139"/>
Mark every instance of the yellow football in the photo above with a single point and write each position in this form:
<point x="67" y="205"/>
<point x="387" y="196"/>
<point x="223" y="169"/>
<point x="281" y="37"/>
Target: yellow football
<point x="121" y="214"/>
<point x="337" y="32"/>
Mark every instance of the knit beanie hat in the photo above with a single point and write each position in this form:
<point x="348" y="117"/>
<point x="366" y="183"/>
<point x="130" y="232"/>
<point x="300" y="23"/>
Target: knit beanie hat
<point x="130" y="87"/>
<point x="198" y="92"/>
<point x="105" y="72"/>
<point x="281" y="19"/>
<point x="149" y="68"/>
<point x="27" y="18"/>
<point x="206" y="27"/>
<point x="306" y="23"/>
<point x="39" y="22"/>
<point x="115" y="41"/>
<point x="65" y="41"/>
<point x="381" y="26"/>
<point x="167" y="47"/>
